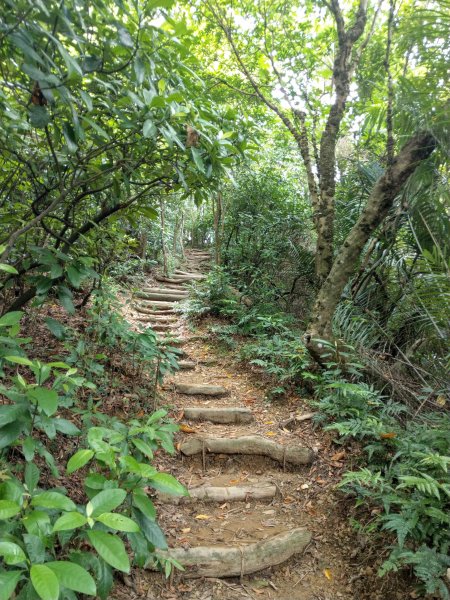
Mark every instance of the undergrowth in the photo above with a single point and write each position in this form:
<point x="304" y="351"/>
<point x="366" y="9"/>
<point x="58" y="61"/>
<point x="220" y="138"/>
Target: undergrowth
<point x="57" y="539"/>
<point x="403" y="478"/>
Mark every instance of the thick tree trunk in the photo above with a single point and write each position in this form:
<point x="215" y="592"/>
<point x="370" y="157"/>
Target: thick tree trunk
<point x="163" y="238"/>
<point x="218" y="218"/>
<point x="380" y="201"/>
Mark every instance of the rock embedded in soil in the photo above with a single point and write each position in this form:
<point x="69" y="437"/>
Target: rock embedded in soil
<point x="249" y="445"/>
<point x="219" y="415"/>
<point x="233" y="561"/>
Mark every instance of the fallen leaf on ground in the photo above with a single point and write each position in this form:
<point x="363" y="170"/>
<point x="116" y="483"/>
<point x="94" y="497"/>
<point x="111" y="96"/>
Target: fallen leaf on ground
<point x="186" y="530"/>
<point x="388" y="436"/>
<point x="327" y="573"/>
<point x="338" y="456"/>
<point x="271" y="433"/>
<point x="187" y="428"/>
<point x="202" y="517"/>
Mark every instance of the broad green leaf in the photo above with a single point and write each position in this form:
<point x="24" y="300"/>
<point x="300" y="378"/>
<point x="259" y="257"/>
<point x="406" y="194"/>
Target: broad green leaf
<point x="143" y="447"/>
<point x="66" y="427"/>
<point x="118" y="521"/>
<point x="111" y="549"/>
<point x="46" y="399"/>
<point x="8" y="269"/>
<point x="39" y="116"/>
<point x="12" y="553"/>
<point x="74" y="276"/>
<point x="151" y="530"/>
<point x="44" y="582"/>
<point x="32" y="475"/>
<point x="36" y="522"/>
<point x="168" y="484"/>
<point x="73" y="577"/>
<point x="8" y="583"/>
<point x="56" y="328"/>
<point x="105" y="501"/>
<point x="9" y="413"/>
<point x="149" y="129"/>
<point x="29" y="448"/>
<point x="9" y="433"/>
<point x="143" y="502"/>
<point x="196" y="155"/>
<point x="19" y="360"/>
<point x="11" y="318"/>
<point x="53" y="500"/>
<point x="8" y="509"/>
<point x="68" y="521"/>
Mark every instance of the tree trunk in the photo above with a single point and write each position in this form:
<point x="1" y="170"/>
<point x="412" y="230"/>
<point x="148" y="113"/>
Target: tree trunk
<point x="218" y="218"/>
<point x="380" y="201"/>
<point x="163" y="237"/>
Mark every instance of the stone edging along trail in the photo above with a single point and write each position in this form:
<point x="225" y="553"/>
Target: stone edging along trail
<point x="260" y="477"/>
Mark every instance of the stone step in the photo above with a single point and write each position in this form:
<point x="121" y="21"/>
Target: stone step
<point x="248" y="445"/>
<point x="219" y="415"/>
<point x="200" y="389"/>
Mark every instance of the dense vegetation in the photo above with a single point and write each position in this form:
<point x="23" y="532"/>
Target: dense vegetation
<point x="306" y="144"/>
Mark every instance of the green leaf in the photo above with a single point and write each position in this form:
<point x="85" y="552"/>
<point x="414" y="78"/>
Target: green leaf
<point x="111" y="549"/>
<point x="12" y="553"/>
<point x="35" y="548"/>
<point x="20" y="360"/>
<point x="11" y="318"/>
<point x="9" y="413"/>
<point x="70" y="137"/>
<point x="105" y="501"/>
<point x="65" y="298"/>
<point x="29" y="448"/>
<point x="68" y="521"/>
<point x="196" y="155"/>
<point x="46" y="399"/>
<point x="144" y="504"/>
<point x="44" y="582"/>
<point x="151" y="530"/>
<point x="78" y="460"/>
<point x="10" y="433"/>
<point x="168" y="484"/>
<point x="53" y="500"/>
<point x="8" y="583"/>
<point x="39" y="117"/>
<point x="74" y="276"/>
<point x="149" y="129"/>
<point x="8" y="269"/>
<point x="143" y="447"/>
<point x="87" y="100"/>
<point x="8" y="509"/>
<point x="58" y="330"/>
<point x="32" y="475"/>
<point x="73" y="577"/>
<point x="66" y="427"/>
<point x="118" y="521"/>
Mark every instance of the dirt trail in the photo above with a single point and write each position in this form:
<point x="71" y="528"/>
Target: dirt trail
<point x="326" y="561"/>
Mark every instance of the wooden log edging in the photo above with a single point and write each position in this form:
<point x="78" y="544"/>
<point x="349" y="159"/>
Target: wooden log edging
<point x="249" y="445"/>
<point x="159" y="296"/>
<point x="211" y="493"/>
<point x="223" y="561"/>
<point x="219" y="415"/>
<point x="200" y="389"/>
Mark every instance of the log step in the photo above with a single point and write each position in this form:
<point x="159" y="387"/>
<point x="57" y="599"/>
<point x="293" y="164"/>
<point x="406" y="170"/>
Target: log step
<point x="219" y="415"/>
<point x="202" y="389"/>
<point x="233" y="561"/>
<point x="187" y="365"/>
<point x="158" y="304"/>
<point x="210" y="493"/>
<point x="157" y="290"/>
<point x="161" y="327"/>
<point x="249" y="445"/>
<point x="154" y="313"/>
<point x="164" y="297"/>
<point x="180" y="280"/>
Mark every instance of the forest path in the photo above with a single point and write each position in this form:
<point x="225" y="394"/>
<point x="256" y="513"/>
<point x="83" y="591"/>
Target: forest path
<point x="261" y="478"/>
